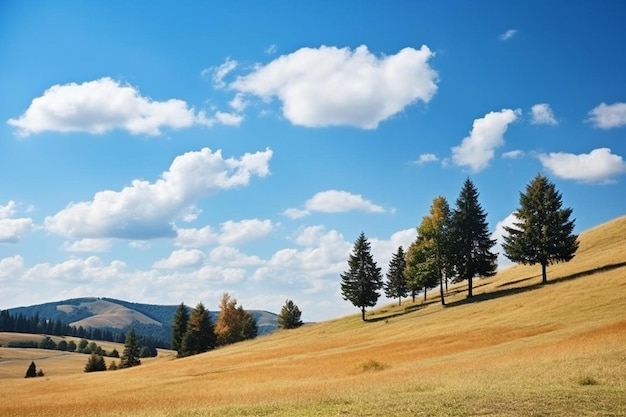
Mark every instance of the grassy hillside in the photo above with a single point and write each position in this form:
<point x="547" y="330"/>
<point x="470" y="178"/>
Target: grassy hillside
<point x="517" y="349"/>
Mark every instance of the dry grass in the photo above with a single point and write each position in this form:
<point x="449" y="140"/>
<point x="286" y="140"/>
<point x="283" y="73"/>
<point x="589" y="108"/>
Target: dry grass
<point x="517" y="349"/>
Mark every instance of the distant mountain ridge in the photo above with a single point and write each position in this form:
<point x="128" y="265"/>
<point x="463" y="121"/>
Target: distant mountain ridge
<point x="108" y="313"/>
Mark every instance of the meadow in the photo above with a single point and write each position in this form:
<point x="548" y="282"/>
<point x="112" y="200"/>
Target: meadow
<point x="517" y="348"/>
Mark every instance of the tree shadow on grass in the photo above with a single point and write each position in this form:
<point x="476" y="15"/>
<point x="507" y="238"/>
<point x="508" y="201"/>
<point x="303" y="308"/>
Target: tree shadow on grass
<point x="519" y="290"/>
<point x="406" y="310"/>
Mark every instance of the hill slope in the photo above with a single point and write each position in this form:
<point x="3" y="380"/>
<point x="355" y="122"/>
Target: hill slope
<point x="517" y="349"/>
<point x="149" y="319"/>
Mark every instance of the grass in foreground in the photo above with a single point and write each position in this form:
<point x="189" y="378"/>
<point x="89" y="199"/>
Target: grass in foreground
<point x="523" y="350"/>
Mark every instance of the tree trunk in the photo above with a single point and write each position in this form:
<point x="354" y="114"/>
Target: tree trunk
<point x="543" y="273"/>
<point x="469" y="287"/>
<point x="443" y="300"/>
<point x="399" y="301"/>
<point x="363" y="313"/>
<point x="424" y="293"/>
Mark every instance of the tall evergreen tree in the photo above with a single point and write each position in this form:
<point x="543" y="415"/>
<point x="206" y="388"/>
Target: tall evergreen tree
<point x="179" y="327"/>
<point x="234" y="324"/>
<point x="361" y="283"/>
<point x="470" y="238"/>
<point x="130" y="355"/>
<point x="31" y="372"/>
<point x="396" y="286"/>
<point x="200" y="334"/>
<point x="543" y="232"/>
<point x="289" y="317"/>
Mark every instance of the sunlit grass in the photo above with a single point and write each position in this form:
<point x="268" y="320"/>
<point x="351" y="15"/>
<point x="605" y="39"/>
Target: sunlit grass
<point x="521" y="349"/>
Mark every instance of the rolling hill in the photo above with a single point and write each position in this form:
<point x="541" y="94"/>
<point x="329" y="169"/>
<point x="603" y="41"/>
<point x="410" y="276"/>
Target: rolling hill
<point x="107" y="313"/>
<point x="517" y="348"/>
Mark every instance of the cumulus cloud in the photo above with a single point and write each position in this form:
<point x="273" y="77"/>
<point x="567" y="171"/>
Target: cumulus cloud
<point x="598" y="166"/>
<point x="498" y="234"/>
<point x="77" y="270"/>
<point x="145" y="210"/>
<point x="182" y="258"/>
<point x="426" y="158"/>
<point x="477" y="149"/>
<point x="232" y="257"/>
<point x="236" y="232"/>
<point x="608" y="116"/>
<point x="104" y="104"/>
<point x="11" y="229"/>
<point x="329" y="86"/>
<point x="11" y="266"/>
<point x="508" y="34"/>
<point x="334" y="201"/>
<point x="542" y="114"/>
<point x="196" y="238"/>
<point x="218" y="73"/>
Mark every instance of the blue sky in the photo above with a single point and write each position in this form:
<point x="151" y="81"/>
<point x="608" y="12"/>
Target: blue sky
<point x="172" y="151"/>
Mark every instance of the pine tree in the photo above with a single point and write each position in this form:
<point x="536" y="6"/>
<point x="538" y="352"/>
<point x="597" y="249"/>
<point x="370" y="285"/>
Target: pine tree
<point x="360" y="284"/>
<point x="130" y="356"/>
<point x="31" y="372"/>
<point x="396" y="286"/>
<point x="289" y="317"/>
<point x="471" y="239"/>
<point x="179" y="327"/>
<point x="200" y="334"/>
<point x="542" y="233"/>
<point x="234" y="324"/>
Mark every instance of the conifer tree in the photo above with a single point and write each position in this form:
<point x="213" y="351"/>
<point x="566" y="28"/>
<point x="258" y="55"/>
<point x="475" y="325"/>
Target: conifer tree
<point x="471" y="240"/>
<point x="130" y="355"/>
<point x="396" y="286"/>
<point x="179" y="327"/>
<point x="31" y="372"/>
<point x="543" y="232"/>
<point x="95" y="363"/>
<point x="361" y="283"/>
<point x="289" y="317"/>
<point x="200" y="334"/>
<point x="234" y="324"/>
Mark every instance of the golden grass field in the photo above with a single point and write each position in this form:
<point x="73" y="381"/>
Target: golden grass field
<point x="518" y="348"/>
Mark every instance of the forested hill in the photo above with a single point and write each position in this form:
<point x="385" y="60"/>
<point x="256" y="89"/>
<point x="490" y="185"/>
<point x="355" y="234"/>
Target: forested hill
<point x="108" y="313"/>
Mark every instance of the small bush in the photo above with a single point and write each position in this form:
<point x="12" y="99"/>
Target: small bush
<point x="587" y="380"/>
<point x="370" y="365"/>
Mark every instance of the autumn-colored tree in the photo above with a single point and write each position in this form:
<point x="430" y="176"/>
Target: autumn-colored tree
<point x="234" y="324"/>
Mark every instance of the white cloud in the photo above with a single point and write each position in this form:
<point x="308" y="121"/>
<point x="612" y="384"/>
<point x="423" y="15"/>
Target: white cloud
<point x="10" y="267"/>
<point x="270" y="50"/>
<point x="515" y="154"/>
<point x="542" y="114"/>
<point x="218" y="73"/>
<point x="102" y="105"/>
<point x="181" y="258"/>
<point x="487" y="133"/>
<point x="77" y="270"/>
<point x="598" y="166"/>
<point x="147" y="210"/>
<point x="498" y="235"/>
<point x="508" y="34"/>
<point x="329" y="86"/>
<point x="232" y="257"/>
<point x="334" y="201"/>
<point x="383" y="249"/>
<point x="195" y="238"/>
<point x="12" y="230"/>
<point x="238" y="103"/>
<point x="233" y="232"/>
<point x="425" y="158"/>
<point x="87" y="245"/>
<point x="608" y="116"/>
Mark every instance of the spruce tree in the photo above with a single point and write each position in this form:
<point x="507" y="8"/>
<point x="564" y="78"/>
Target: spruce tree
<point x="289" y="317"/>
<point x="471" y="239"/>
<point x="179" y="327"/>
<point x="95" y="363"/>
<point x="130" y="355"/>
<point x="396" y="286"/>
<point x="361" y="283"/>
<point x="31" y="372"/>
<point x="200" y="334"/>
<point x="542" y="233"/>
